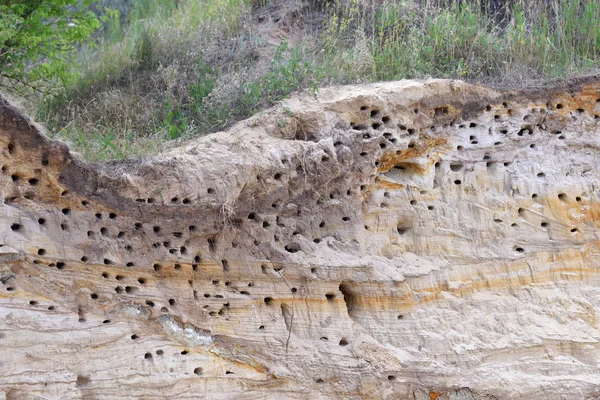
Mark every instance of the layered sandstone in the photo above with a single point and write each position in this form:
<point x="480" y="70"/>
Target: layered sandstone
<point x="407" y="240"/>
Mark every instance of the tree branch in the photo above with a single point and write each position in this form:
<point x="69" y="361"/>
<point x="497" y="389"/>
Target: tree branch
<point x="21" y="81"/>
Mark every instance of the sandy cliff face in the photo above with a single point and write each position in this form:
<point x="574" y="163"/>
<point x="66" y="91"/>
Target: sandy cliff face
<point x="408" y="240"/>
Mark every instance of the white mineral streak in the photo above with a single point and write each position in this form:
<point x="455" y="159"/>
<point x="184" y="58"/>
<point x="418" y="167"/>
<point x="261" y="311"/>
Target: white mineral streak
<point x="187" y="334"/>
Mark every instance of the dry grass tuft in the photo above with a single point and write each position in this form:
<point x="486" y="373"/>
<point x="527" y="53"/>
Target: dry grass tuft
<point x="179" y="69"/>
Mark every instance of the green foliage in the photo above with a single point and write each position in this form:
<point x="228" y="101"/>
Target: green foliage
<point x="200" y="89"/>
<point x="173" y="69"/>
<point x="105" y="145"/>
<point x="396" y="40"/>
<point x="175" y="121"/>
<point x="563" y="40"/>
<point x="37" y="38"/>
<point x="289" y="70"/>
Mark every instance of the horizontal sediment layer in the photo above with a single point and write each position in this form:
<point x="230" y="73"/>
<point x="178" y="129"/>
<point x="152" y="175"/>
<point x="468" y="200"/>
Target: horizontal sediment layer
<point x="415" y="239"/>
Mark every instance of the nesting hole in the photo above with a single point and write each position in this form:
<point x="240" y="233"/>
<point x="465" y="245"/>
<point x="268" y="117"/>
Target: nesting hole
<point x="212" y="245"/>
<point x="441" y="111"/>
<point x="455" y="167"/>
<point x="292" y="247"/>
<point x="402" y="229"/>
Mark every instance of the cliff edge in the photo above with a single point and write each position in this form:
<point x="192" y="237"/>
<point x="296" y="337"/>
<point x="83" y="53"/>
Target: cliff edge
<point x="414" y="239"/>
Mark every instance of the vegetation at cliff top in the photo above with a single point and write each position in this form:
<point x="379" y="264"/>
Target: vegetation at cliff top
<point x="162" y="70"/>
<point x="36" y="38"/>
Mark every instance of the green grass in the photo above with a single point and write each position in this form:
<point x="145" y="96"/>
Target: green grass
<point x="174" y="70"/>
<point x="400" y="40"/>
<point x="134" y="86"/>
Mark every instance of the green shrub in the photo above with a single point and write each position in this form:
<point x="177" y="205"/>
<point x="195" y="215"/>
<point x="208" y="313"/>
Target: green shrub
<point x="171" y="70"/>
<point x="536" y="40"/>
<point x="37" y="39"/>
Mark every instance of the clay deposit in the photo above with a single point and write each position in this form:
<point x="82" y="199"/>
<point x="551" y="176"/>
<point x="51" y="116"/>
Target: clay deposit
<point x="407" y="240"/>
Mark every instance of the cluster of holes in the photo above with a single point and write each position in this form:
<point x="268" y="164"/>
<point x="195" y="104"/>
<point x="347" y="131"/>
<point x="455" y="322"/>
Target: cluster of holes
<point x="525" y="130"/>
<point x="292" y="247"/>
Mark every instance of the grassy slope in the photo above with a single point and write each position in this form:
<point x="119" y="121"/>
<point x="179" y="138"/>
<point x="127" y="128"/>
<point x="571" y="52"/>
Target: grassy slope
<point x="186" y="68"/>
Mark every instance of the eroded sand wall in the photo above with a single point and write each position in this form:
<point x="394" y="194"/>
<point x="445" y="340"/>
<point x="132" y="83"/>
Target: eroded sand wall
<point x="401" y="240"/>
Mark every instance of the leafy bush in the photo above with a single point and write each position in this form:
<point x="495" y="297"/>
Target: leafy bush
<point x="36" y="39"/>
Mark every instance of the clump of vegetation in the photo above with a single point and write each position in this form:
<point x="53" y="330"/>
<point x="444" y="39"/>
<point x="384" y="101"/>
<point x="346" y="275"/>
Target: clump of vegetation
<point x="166" y="70"/>
<point x="172" y="70"/>
<point x="516" y="43"/>
<point x="35" y="39"/>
